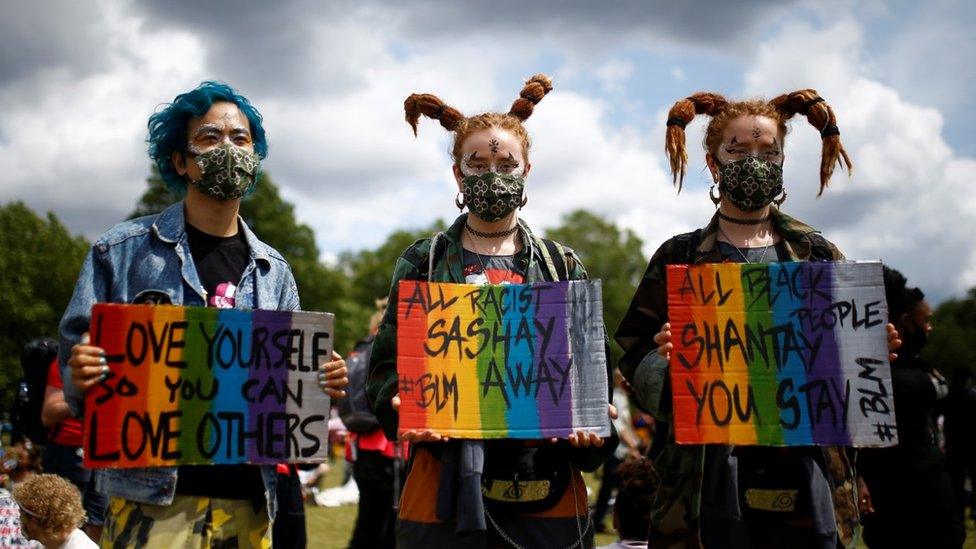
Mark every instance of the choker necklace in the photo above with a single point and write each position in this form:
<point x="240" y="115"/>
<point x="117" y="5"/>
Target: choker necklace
<point x="738" y="221"/>
<point x="497" y="234"/>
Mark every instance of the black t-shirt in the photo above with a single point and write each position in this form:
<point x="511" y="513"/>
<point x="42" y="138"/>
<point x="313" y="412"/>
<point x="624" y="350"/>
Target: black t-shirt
<point x="491" y="269"/>
<point x="220" y="262"/>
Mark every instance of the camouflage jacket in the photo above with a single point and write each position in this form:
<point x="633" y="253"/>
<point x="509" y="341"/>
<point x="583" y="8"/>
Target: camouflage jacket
<point x="446" y="264"/>
<point x="677" y="504"/>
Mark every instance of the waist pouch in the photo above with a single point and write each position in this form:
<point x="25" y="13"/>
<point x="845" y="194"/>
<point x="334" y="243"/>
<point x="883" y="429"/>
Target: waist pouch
<point x="773" y="483"/>
<point x="520" y="480"/>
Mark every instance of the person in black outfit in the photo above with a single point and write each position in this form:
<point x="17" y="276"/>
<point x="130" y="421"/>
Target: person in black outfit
<point x="908" y="484"/>
<point x="376" y="463"/>
<point x="960" y="433"/>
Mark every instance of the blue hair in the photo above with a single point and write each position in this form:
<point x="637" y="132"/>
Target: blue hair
<point x="168" y="127"/>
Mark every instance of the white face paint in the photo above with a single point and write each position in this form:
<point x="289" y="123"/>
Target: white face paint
<point x="492" y="150"/>
<point x="756" y="136"/>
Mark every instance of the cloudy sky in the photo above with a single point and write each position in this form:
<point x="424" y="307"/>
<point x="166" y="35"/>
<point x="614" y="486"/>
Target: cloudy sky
<point x="79" y="79"/>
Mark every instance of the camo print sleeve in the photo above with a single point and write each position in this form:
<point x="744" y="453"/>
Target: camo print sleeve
<point x="648" y="311"/>
<point x="381" y="382"/>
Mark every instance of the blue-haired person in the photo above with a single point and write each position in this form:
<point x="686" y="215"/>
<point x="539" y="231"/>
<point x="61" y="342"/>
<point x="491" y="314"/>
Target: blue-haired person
<point x="208" y="145"/>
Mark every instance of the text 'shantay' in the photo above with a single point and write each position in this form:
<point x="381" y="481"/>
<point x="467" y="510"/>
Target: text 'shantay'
<point x="780" y="354"/>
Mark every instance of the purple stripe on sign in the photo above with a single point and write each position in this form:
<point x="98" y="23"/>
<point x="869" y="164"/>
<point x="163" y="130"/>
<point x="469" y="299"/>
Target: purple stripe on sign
<point x="826" y="372"/>
<point x="268" y="377"/>
<point x="554" y="390"/>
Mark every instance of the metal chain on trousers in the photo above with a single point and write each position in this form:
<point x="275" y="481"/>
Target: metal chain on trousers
<point x="580" y="529"/>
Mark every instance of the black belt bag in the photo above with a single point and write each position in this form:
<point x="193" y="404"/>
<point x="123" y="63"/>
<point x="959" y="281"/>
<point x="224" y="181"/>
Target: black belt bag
<point x="772" y="482"/>
<point x="522" y="480"/>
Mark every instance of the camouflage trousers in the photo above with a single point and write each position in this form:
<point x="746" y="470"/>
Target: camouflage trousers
<point x="191" y="521"/>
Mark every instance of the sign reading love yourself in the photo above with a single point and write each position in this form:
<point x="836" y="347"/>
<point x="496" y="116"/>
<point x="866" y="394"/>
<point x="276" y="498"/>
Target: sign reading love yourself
<point x="197" y="385"/>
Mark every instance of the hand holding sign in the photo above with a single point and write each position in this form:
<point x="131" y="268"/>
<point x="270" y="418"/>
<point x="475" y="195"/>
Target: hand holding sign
<point x="332" y="376"/>
<point x="585" y="438"/>
<point x="894" y="342"/>
<point x="416" y="435"/>
<point x="663" y="341"/>
<point x="88" y="365"/>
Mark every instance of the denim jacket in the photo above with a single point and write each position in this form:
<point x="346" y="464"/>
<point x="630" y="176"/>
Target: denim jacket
<point x="151" y="254"/>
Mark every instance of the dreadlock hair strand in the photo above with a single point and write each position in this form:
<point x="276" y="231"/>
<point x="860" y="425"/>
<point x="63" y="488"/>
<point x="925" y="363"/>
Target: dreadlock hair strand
<point x="680" y="115"/>
<point x="535" y="89"/>
<point x="433" y="107"/>
<point x="819" y="114"/>
<point x="452" y="120"/>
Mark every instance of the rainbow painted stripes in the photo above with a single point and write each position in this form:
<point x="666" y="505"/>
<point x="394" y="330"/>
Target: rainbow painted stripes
<point x="520" y="361"/>
<point x="780" y="354"/>
<point x="194" y="385"/>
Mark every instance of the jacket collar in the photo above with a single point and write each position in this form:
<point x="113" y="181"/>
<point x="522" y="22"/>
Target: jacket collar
<point x="795" y="235"/>
<point x="530" y="245"/>
<point x="170" y="227"/>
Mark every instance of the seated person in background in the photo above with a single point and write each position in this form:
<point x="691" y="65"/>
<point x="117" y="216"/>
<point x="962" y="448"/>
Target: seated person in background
<point x="18" y="463"/>
<point x="51" y="512"/>
<point x="632" y="511"/>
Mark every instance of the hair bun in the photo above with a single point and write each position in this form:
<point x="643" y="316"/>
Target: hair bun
<point x="534" y="90"/>
<point x="432" y="107"/>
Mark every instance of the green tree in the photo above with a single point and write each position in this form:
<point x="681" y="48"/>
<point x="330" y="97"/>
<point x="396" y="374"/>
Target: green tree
<point x="40" y="261"/>
<point x="372" y="269"/>
<point x="950" y="345"/>
<point x="609" y="253"/>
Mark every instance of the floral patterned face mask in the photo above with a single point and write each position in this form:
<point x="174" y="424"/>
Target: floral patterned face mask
<point x="492" y="196"/>
<point x="228" y="171"/>
<point x="750" y="183"/>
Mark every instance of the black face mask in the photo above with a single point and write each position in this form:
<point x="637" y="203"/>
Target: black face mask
<point x="492" y="196"/>
<point x="750" y="183"/>
<point x="913" y="342"/>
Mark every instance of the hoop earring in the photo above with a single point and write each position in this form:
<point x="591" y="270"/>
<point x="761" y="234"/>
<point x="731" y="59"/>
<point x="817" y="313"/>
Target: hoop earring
<point x="525" y="200"/>
<point x="458" y="202"/>
<point x="779" y="201"/>
<point x="711" y="194"/>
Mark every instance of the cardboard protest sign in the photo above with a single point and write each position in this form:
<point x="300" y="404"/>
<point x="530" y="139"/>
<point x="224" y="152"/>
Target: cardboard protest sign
<point x="780" y="354"/>
<point x="519" y="361"/>
<point x="197" y="385"/>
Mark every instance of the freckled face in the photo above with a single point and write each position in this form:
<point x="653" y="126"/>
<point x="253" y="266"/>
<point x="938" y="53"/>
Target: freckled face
<point x="491" y="150"/>
<point x="745" y="136"/>
<point x="223" y="123"/>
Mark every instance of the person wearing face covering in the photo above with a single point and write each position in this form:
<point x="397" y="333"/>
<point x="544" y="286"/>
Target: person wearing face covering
<point x="715" y="495"/>
<point x="208" y="145"/>
<point x="909" y="496"/>
<point x="499" y="493"/>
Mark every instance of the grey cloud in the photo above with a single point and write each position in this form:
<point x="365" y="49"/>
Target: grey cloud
<point x="698" y="23"/>
<point x="263" y="48"/>
<point x="270" y="50"/>
<point x="37" y="35"/>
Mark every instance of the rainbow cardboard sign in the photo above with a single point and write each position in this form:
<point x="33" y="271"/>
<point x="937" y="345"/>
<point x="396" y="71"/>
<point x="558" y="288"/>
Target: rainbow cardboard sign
<point x="780" y="354"/>
<point x="197" y="385"/>
<point x="523" y="361"/>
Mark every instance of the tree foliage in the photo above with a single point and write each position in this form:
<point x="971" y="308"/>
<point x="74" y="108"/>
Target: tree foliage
<point x="40" y="261"/>
<point x="950" y="345"/>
